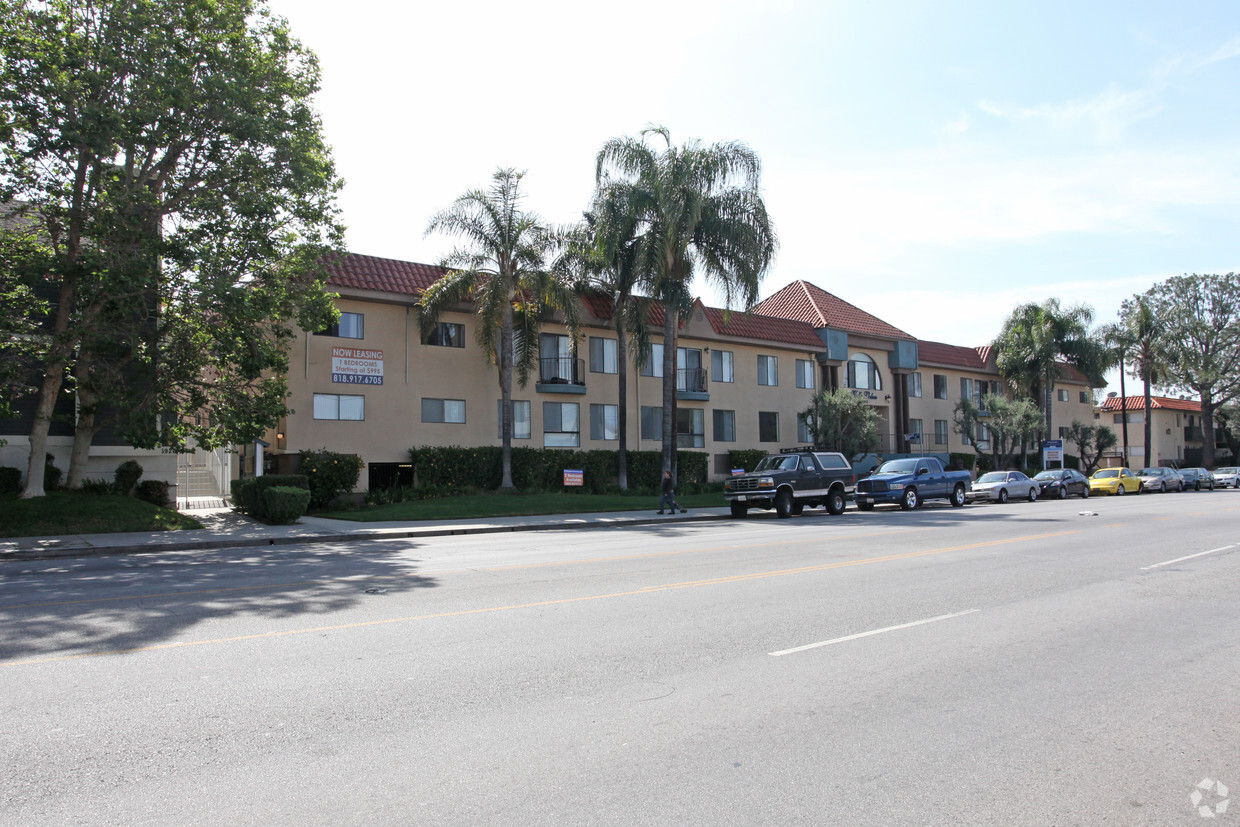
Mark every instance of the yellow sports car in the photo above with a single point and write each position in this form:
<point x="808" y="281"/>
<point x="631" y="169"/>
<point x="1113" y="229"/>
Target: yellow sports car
<point x="1114" y="481"/>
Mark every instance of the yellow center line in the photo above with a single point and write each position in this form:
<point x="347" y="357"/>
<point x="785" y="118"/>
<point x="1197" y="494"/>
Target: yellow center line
<point x="646" y="590"/>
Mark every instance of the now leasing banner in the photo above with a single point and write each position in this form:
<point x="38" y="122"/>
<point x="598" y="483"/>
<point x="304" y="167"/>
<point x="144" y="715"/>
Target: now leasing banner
<point x="353" y="366"/>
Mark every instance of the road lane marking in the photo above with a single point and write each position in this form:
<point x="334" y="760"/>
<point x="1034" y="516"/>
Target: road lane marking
<point x="645" y="590"/>
<point x="872" y="632"/>
<point x="1189" y="557"/>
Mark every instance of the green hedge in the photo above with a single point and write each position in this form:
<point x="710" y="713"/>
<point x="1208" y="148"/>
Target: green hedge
<point x="329" y="474"/>
<point x="126" y="477"/>
<point x="10" y="480"/>
<point x="247" y="494"/>
<point x="284" y="504"/>
<point x="454" y="467"/>
<point x="154" y="492"/>
<point x="747" y="458"/>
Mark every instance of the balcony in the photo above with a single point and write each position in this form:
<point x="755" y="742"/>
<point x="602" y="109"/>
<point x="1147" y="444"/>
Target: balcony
<point x="561" y="374"/>
<point x="691" y="384"/>
<point x="1192" y="434"/>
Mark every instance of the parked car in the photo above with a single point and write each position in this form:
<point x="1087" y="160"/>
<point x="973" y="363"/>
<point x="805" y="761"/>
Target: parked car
<point x="1062" y="483"/>
<point x="788" y="482"/>
<point x="1228" y="476"/>
<point x="910" y="482"/>
<point x="1160" y="479"/>
<point x="1000" y="486"/>
<point x="1197" y="478"/>
<point x="1114" y="481"/>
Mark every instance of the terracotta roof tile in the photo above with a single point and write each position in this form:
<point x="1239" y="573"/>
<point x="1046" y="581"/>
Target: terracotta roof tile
<point x="382" y="275"/>
<point x="760" y="326"/>
<point x="804" y="302"/>
<point x="940" y="353"/>
<point x="1137" y="403"/>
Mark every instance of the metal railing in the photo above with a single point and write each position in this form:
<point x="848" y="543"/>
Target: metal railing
<point x="561" y="370"/>
<point x="691" y="380"/>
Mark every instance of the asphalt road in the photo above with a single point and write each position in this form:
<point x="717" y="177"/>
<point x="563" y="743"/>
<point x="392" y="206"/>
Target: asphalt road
<point x="1015" y="664"/>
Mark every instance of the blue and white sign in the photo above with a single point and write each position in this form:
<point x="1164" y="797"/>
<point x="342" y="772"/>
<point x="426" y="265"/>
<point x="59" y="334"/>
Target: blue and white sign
<point x="354" y="366"/>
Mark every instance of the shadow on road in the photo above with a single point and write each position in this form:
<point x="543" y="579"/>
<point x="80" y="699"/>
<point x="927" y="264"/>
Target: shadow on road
<point x="94" y="605"/>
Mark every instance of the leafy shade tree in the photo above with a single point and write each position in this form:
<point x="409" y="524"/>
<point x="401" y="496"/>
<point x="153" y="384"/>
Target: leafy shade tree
<point x="1227" y="418"/>
<point x="1037" y="340"/>
<point x="841" y="421"/>
<point x="700" y="214"/>
<point x="1091" y="442"/>
<point x="24" y="262"/>
<point x="168" y="151"/>
<point x="601" y="256"/>
<point x="1143" y="332"/>
<point x="1199" y="323"/>
<point x="1009" y="423"/>
<point x="503" y="268"/>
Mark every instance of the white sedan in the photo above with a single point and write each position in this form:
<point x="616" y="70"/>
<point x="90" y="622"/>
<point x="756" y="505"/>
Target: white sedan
<point x="1001" y="486"/>
<point x="1227" y="477"/>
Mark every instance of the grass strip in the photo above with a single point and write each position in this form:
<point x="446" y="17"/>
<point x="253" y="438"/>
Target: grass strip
<point x="68" y="512"/>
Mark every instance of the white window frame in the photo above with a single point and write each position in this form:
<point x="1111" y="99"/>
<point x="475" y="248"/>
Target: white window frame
<point x="449" y="411"/>
<point x="805" y="373"/>
<point x="768" y="371"/>
<point x="330" y="406"/>
<point x="521" y="422"/>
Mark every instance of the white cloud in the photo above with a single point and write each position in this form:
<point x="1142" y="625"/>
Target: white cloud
<point x="1108" y="114"/>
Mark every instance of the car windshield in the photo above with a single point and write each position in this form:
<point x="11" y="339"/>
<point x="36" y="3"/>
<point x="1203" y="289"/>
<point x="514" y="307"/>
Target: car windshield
<point x="1225" y="471"/>
<point x="1151" y="472"/>
<point x="1049" y="475"/>
<point x="1101" y="475"/>
<point x="993" y="476"/>
<point x="782" y="463"/>
<point x="899" y="466"/>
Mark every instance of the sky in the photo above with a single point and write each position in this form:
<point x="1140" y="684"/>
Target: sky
<point x="934" y="163"/>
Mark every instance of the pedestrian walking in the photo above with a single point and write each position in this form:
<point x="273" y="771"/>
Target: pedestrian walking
<point x="668" y="500"/>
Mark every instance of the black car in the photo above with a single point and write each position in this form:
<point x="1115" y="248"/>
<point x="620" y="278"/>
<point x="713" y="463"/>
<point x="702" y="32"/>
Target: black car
<point x="1197" y="478"/>
<point x="1062" y="483"/>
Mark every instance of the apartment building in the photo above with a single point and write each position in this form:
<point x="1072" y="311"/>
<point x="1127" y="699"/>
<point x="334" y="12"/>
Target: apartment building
<point x="1175" y="430"/>
<point x="374" y="386"/>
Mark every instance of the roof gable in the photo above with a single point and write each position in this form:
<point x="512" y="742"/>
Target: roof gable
<point x="805" y="302"/>
<point x="1157" y="403"/>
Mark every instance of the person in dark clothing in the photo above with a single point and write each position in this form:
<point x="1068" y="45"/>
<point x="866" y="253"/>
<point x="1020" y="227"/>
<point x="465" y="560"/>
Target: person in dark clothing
<point x="668" y="500"/>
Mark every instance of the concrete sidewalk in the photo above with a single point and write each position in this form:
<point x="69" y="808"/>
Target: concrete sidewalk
<point x="225" y="528"/>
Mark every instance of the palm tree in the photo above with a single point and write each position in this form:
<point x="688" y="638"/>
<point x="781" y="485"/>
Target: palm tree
<point x="1148" y="356"/>
<point x="1037" y="339"/>
<point x="502" y="268"/>
<point x="700" y="213"/>
<point x="1119" y="340"/>
<point x="601" y="255"/>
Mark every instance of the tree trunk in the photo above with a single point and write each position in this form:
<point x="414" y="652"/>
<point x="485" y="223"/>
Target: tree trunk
<point x="1149" y="432"/>
<point x="84" y="430"/>
<point x="669" y="389"/>
<point x="505" y="395"/>
<point x="1123" y="408"/>
<point x="1207" y="428"/>
<point x="622" y="413"/>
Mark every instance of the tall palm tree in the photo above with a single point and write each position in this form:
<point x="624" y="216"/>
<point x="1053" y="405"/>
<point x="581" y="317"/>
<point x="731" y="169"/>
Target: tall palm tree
<point x="1119" y="340"/>
<point x="503" y="269"/>
<point x="600" y="254"/>
<point x="700" y="213"/>
<point x="1037" y="339"/>
<point x="1148" y="355"/>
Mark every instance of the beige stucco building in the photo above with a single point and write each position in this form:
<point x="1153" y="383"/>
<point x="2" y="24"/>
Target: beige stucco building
<point x="1175" y="430"/>
<point x="375" y="387"/>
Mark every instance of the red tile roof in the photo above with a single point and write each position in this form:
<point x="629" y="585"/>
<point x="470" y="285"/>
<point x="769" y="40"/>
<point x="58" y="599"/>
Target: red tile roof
<point x="383" y="275"/>
<point x="804" y="302"/>
<point x="759" y="326"/>
<point x="939" y="353"/>
<point x="1137" y="403"/>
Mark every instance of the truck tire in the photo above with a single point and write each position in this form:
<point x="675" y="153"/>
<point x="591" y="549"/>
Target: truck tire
<point x="783" y="504"/>
<point x="958" y="496"/>
<point x="835" y="502"/>
<point x="797" y="508"/>
<point x="739" y="510"/>
<point x="910" y="500"/>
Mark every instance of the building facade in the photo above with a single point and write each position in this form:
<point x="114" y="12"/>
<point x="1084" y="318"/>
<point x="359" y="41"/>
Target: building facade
<point x="1175" y="430"/>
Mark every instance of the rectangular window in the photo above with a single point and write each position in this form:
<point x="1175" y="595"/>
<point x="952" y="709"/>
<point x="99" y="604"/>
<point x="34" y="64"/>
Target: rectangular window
<point x="690" y="376"/>
<point x="690" y="428"/>
<point x="654" y="362"/>
<point x="561" y="425"/>
<point x="940" y="431"/>
<point x="914" y="430"/>
<point x="1063" y="432"/>
<point x="602" y="355"/>
<point x="768" y="426"/>
<point x="983" y="437"/>
<point x="805" y="373"/>
<point x="447" y="334"/>
<point x="721" y="366"/>
<point x="914" y="384"/>
<point x="725" y="426"/>
<point x="520" y="419"/>
<point x="652" y="422"/>
<point x="804" y="435"/>
<point x="768" y="370"/>
<point x="603" y="421"/>
<point x="350" y="326"/>
<point x="940" y="386"/>
<point x="1085" y="397"/>
<point x="339" y="406"/>
<point x="1063" y="394"/>
<point x="972" y="389"/>
<point x="443" y="410"/>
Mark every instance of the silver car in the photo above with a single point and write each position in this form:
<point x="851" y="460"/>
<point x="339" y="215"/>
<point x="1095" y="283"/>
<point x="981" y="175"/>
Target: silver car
<point x="1197" y="478"/>
<point x="1160" y="479"/>
<point x="1001" y="486"/>
<point x="1228" y="477"/>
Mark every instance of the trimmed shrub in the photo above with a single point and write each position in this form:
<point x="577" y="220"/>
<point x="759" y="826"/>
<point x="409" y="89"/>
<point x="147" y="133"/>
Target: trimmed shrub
<point x="244" y="496"/>
<point x="126" y="477"/>
<point x="966" y="460"/>
<point x="10" y="480"/>
<point x="284" y="504"/>
<point x="154" y="492"/>
<point x="747" y="458"/>
<point x="51" y="474"/>
<point x="97" y="487"/>
<point x="329" y="474"/>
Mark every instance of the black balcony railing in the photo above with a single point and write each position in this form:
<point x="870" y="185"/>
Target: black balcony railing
<point x="691" y="380"/>
<point x="561" y="370"/>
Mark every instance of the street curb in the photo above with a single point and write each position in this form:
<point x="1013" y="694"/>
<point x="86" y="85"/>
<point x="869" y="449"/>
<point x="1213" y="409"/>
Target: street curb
<point x="259" y="542"/>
